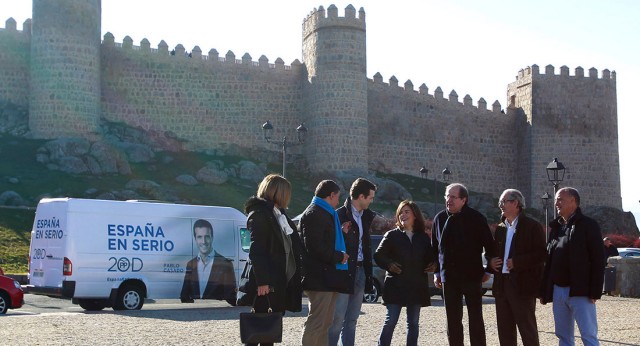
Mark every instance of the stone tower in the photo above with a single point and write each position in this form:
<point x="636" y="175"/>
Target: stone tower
<point x="573" y="118"/>
<point x="65" y="68"/>
<point x="335" y="95"/>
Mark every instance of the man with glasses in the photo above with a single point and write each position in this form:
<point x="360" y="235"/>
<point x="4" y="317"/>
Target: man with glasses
<point x="574" y="272"/>
<point x="459" y="235"/>
<point x="517" y="271"/>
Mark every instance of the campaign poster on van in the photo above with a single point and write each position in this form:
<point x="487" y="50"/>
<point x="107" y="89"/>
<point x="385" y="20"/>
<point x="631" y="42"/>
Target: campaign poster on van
<point x="194" y="257"/>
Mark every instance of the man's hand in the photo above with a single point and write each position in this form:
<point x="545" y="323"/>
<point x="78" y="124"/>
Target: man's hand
<point x="495" y="264"/>
<point x="346" y="226"/>
<point x="485" y="277"/>
<point x="395" y="268"/>
<point x="430" y="267"/>
<point x="345" y="257"/>
<point x="437" y="282"/>
<point x="510" y="264"/>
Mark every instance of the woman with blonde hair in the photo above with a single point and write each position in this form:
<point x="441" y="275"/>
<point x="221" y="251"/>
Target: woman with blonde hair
<point x="275" y="251"/>
<point x="406" y="253"/>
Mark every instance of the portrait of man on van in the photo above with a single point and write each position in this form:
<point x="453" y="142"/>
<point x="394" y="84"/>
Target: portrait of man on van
<point x="209" y="275"/>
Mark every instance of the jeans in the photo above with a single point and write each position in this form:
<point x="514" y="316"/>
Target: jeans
<point x="390" y="321"/>
<point x="347" y="311"/>
<point x="566" y="309"/>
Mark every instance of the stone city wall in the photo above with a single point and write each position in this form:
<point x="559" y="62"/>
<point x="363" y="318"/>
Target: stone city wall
<point x="408" y="129"/>
<point x="205" y="101"/>
<point x="573" y="118"/>
<point x="15" y="55"/>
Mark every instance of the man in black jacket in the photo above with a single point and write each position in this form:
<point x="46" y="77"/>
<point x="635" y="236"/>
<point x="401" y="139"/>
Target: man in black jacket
<point x="325" y="266"/>
<point x="459" y="235"/>
<point x="356" y="217"/>
<point x="517" y="271"/>
<point x="574" y="272"/>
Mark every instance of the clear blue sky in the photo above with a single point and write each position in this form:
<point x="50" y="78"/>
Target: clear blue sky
<point x="474" y="47"/>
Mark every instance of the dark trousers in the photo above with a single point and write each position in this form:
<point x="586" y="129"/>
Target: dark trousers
<point x="514" y="310"/>
<point x="454" y="291"/>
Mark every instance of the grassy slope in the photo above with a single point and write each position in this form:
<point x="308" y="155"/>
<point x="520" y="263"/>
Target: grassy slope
<point x="35" y="181"/>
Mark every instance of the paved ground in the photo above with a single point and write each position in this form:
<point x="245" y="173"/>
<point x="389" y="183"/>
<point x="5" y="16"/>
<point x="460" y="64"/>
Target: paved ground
<point x="46" y="321"/>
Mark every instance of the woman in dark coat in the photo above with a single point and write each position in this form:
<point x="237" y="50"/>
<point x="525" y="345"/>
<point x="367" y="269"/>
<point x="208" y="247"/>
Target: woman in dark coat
<point x="275" y="251"/>
<point x="405" y="252"/>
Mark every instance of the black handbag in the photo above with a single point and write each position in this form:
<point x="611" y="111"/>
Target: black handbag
<point x="260" y="327"/>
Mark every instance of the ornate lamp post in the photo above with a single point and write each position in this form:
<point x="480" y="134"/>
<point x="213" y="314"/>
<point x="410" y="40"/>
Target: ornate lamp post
<point x="301" y="133"/>
<point x="545" y="205"/>
<point x="555" y="174"/>
<point x="424" y="172"/>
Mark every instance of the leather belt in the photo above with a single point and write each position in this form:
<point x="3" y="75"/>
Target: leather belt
<point x="359" y="263"/>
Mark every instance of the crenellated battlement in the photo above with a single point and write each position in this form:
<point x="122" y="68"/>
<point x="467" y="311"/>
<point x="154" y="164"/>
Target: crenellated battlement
<point x="10" y="25"/>
<point x="549" y="71"/>
<point x="213" y="57"/>
<point x="319" y="18"/>
<point x="438" y="95"/>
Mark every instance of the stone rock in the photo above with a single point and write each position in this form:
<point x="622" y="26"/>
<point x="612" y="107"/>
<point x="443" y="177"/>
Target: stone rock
<point x="94" y="166"/>
<point x="42" y="158"/>
<point x="107" y="195"/>
<point x="391" y="191"/>
<point x="142" y="185"/>
<point x="14" y="180"/>
<point x="250" y="171"/>
<point x="64" y="147"/>
<point x="72" y="164"/>
<point x="138" y="153"/>
<point x="127" y="195"/>
<point x="187" y="179"/>
<point x="90" y="191"/>
<point x="11" y="198"/>
<point x="211" y="175"/>
<point x="613" y="221"/>
<point x="106" y="155"/>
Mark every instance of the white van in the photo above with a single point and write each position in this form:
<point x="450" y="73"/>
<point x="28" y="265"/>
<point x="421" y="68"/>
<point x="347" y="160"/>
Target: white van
<point x="115" y="254"/>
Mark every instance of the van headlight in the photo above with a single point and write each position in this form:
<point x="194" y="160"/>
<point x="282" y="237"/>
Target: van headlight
<point x="17" y="284"/>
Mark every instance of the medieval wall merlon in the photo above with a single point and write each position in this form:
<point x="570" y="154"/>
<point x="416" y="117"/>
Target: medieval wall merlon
<point x="438" y="94"/>
<point x="319" y="18"/>
<point x="179" y="52"/>
<point x="10" y="26"/>
<point x="448" y="105"/>
<point x="549" y="71"/>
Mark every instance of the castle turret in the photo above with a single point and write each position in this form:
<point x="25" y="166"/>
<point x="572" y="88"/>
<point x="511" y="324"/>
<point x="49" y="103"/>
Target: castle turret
<point x="335" y="97"/>
<point x="573" y="118"/>
<point x="65" y="68"/>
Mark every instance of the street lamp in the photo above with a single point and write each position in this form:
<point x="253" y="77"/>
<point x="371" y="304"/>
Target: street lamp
<point x="555" y="174"/>
<point x="545" y="205"/>
<point x="301" y="131"/>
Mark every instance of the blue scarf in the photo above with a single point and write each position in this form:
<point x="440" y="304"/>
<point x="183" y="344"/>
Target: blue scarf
<point x="340" y="245"/>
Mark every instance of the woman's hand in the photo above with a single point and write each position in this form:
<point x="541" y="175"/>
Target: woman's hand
<point x="263" y="290"/>
<point x="395" y="268"/>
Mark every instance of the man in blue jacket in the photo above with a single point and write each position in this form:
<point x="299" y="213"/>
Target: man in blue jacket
<point x="574" y="272"/>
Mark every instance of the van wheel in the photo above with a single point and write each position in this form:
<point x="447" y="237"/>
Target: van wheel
<point x="232" y="302"/>
<point x="373" y="296"/>
<point x="92" y="304"/>
<point x="129" y="298"/>
<point x="4" y="303"/>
